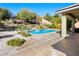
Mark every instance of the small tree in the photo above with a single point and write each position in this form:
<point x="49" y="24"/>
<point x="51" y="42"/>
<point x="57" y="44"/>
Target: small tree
<point x="47" y="17"/>
<point x="56" y="21"/>
<point x="4" y="13"/>
<point x="25" y="14"/>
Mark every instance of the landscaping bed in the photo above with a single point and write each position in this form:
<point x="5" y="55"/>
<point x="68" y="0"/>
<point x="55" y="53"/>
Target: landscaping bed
<point x="16" y="42"/>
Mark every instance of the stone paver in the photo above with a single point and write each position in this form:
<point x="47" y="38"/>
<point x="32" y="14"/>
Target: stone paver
<point x="39" y="50"/>
<point x="34" y="45"/>
<point x="32" y="48"/>
<point x="49" y="39"/>
<point x="4" y="49"/>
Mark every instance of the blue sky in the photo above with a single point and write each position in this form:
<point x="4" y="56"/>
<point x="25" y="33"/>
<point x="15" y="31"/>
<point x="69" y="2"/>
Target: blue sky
<point x="39" y="8"/>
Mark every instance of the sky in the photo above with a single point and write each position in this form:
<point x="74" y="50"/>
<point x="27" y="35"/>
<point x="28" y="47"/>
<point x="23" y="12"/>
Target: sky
<point x="39" y="8"/>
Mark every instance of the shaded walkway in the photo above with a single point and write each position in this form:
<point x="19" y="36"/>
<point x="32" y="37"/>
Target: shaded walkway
<point x="70" y="45"/>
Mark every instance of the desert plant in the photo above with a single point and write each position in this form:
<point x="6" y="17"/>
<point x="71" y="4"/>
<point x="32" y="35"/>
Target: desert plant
<point x="24" y="34"/>
<point x="16" y="42"/>
<point x="40" y="27"/>
<point x="49" y="26"/>
<point x="25" y="14"/>
<point x="20" y="27"/>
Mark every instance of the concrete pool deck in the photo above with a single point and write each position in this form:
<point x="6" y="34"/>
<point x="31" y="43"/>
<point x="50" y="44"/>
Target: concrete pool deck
<point x="35" y="45"/>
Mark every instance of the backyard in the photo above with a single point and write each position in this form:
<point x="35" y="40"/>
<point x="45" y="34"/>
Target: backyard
<point x="27" y="33"/>
<point x="15" y="31"/>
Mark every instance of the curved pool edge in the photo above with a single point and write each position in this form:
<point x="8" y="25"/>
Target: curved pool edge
<point x="46" y="33"/>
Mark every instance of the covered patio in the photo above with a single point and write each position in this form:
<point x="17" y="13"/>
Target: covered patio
<point x="70" y="40"/>
<point x="71" y="13"/>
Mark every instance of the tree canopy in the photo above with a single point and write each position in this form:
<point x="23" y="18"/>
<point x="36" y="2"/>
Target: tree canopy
<point x="25" y="14"/>
<point x="4" y="13"/>
<point x="47" y="17"/>
<point x="55" y="19"/>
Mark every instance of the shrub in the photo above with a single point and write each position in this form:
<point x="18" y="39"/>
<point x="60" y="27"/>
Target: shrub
<point x="40" y="27"/>
<point x="24" y="34"/>
<point x="16" y="42"/>
<point x="53" y="26"/>
<point x="21" y="27"/>
<point x="49" y="26"/>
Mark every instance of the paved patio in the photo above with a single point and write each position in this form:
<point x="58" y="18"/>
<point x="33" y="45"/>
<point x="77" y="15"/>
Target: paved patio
<point x="70" y="45"/>
<point x="38" y="50"/>
<point x="39" y="45"/>
<point x="4" y="36"/>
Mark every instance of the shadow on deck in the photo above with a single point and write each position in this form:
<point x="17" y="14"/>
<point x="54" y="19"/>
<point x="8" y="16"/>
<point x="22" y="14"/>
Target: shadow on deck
<point x="6" y="36"/>
<point x="70" y="45"/>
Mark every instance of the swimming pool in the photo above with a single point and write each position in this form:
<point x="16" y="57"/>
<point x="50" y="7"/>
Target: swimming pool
<point x="42" y="31"/>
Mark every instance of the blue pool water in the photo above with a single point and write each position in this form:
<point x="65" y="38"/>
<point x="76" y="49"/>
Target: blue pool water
<point x="42" y="31"/>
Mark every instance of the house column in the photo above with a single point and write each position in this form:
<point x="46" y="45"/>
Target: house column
<point x="63" y="26"/>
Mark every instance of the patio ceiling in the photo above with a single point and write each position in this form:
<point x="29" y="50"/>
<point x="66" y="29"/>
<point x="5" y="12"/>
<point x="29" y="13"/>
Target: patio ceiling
<point x="73" y="13"/>
<point x="72" y="10"/>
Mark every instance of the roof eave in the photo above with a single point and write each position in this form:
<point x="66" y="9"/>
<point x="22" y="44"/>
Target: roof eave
<point x="63" y="10"/>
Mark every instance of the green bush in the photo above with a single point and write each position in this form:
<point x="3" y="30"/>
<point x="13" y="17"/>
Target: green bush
<point x="53" y="26"/>
<point x="21" y="27"/>
<point x="49" y="26"/>
<point x="24" y="34"/>
<point x="16" y="42"/>
<point x="40" y="27"/>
